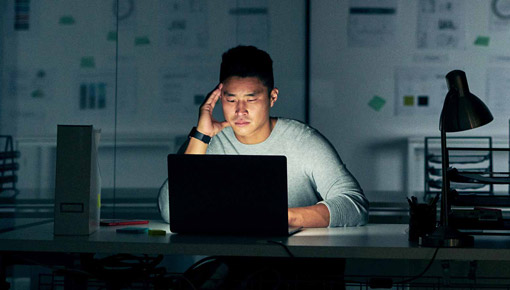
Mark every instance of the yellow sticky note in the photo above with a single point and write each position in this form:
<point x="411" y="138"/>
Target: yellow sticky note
<point x="156" y="232"/>
<point x="409" y="101"/>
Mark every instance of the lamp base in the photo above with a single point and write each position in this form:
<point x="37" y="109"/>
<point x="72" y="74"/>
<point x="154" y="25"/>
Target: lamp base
<point x="447" y="237"/>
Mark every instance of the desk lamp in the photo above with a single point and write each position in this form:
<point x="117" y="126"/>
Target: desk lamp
<point x="461" y="111"/>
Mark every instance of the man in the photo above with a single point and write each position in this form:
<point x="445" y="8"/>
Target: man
<point x="322" y="192"/>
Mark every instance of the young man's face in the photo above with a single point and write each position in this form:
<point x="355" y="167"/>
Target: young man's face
<point x="246" y="103"/>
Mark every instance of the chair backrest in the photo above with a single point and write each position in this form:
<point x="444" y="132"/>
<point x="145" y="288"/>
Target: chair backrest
<point x="461" y="158"/>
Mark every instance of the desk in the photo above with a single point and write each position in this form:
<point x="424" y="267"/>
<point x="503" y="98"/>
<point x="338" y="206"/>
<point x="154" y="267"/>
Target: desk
<point x="373" y="250"/>
<point x="373" y="241"/>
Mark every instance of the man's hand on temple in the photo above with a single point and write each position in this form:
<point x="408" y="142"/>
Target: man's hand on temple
<point x="206" y="123"/>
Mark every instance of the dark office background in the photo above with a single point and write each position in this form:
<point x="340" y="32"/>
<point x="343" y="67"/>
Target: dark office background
<point x="368" y="74"/>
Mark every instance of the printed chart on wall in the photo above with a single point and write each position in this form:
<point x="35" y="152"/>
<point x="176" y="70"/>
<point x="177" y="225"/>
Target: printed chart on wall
<point x="372" y="23"/>
<point x="34" y="89"/>
<point x="441" y="24"/>
<point x="250" y="22"/>
<point x="498" y="90"/>
<point x="183" y="25"/>
<point x="94" y="99"/>
<point x="419" y="90"/>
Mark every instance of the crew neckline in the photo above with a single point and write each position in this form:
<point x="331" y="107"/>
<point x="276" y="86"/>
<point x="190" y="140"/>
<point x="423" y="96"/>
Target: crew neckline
<point x="268" y="139"/>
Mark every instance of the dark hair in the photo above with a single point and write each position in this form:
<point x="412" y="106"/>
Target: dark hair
<point x="247" y="61"/>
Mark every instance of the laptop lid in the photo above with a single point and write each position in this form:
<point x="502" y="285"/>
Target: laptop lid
<point x="228" y="194"/>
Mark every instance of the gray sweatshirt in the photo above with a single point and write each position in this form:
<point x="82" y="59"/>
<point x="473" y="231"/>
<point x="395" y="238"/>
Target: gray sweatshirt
<point x="315" y="172"/>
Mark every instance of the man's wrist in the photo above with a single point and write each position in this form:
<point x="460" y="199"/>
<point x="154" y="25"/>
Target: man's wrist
<point x="194" y="133"/>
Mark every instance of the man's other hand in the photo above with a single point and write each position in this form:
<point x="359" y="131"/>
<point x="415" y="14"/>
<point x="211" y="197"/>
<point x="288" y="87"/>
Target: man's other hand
<point x="315" y="216"/>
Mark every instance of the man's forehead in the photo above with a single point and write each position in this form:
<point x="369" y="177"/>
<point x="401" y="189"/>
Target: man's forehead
<point x="243" y="80"/>
<point x="243" y="84"/>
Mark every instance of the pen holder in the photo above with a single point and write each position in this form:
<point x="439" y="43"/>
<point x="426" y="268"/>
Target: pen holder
<point x="422" y="220"/>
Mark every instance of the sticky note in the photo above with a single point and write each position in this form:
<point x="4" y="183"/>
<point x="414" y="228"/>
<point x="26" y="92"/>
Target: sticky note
<point x="87" y="62"/>
<point x="111" y="36"/>
<point x="377" y="103"/>
<point x="409" y="101"/>
<point x="132" y="230"/>
<point x="482" y="41"/>
<point x="37" y="94"/>
<point x="142" y="40"/>
<point x="423" y="101"/>
<point x="155" y="232"/>
<point x="67" y="20"/>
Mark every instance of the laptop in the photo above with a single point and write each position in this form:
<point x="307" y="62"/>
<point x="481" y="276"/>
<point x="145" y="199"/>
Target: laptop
<point x="228" y="194"/>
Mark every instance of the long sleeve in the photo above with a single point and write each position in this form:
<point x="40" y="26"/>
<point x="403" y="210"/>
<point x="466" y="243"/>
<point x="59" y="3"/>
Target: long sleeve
<point x="337" y="187"/>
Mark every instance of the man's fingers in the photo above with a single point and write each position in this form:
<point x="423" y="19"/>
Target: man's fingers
<point x="213" y="96"/>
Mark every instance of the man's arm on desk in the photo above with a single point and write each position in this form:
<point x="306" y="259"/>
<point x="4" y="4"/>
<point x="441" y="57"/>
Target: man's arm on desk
<point x="315" y="216"/>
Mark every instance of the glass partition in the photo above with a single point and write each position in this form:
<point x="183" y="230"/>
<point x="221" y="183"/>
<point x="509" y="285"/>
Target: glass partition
<point x="136" y="70"/>
<point x="57" y="64"/>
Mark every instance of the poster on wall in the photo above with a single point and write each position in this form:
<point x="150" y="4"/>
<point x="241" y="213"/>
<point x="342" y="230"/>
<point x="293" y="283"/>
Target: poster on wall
<point x="498" y="89"/>
<point x="181" y="92"/>
<point x="441" y="24"/>
<point x="33" y="89"/>
<point x="183" y="25"/>
<point x="97" y="99"/>
<point x="372" y="23"/>
<point x="250" y="23"/>
<point x="22" y="18"/>
<point x="420" y="90"/>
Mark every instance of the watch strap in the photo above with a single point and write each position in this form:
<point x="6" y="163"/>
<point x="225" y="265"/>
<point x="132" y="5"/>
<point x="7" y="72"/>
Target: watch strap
<point x="200" y="136"/>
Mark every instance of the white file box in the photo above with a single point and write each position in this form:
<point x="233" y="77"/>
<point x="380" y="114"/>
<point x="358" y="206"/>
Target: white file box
<point x="77" y="181"/>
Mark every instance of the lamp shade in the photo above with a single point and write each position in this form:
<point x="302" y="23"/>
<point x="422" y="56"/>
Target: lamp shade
<point x="462" y="110"/>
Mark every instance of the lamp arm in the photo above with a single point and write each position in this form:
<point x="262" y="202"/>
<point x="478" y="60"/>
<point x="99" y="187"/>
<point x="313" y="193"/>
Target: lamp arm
<point x="445" y="163"/>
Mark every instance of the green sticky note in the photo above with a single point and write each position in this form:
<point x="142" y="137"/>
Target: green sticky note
<point x="142" y="40"/>
<point x="37" y="94"/>
<point x="482" y="41"/>
<point x="67" y="20"/>
<point x="409" y="101"/>
<point x="88" y="62"/>
<point x="377" y="103"/>
<point x="112" y="36"/>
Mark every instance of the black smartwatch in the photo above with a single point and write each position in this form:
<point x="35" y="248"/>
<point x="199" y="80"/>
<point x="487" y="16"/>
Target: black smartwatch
<point x="197" y="135"/>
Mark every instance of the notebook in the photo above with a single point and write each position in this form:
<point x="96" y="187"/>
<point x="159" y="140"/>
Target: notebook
<point x="228" y="194"/>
